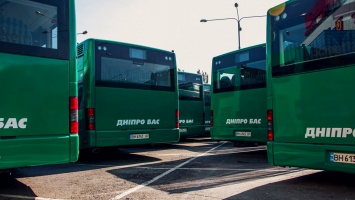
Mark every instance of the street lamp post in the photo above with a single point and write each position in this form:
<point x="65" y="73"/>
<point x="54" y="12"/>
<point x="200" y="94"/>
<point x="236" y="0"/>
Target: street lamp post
<point x="237" y="19"/>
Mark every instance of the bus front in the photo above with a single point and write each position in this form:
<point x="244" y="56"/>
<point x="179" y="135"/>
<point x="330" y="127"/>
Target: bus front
<point x="128" y="96"/>
<point x="191" y="104"/>
<point x="239" y="96"/>
<point x="311" y="69"/>
<point x="38" y="118"/>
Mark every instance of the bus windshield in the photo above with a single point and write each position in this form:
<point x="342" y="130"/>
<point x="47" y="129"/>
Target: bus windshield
<point x="313" y="36"/>
<point x="33" y="28"/>
<point x="136" y="68"/>
<point x="240" y="70"/>
<point x="190" y="86"/>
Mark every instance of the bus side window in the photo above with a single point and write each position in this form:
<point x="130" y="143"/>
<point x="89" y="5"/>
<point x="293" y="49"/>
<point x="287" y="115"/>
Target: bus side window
<point x="225" y="82"/>
<point x="261" y="76"/>
<point x="296" y="53"/>
<point x="13" y="30"/>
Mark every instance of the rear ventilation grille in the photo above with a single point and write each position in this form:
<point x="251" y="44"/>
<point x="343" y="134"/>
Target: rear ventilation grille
<point x="80" y="50"/>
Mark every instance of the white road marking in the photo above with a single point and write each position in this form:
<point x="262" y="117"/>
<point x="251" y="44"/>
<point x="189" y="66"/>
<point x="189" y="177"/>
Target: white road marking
<point x="225" y="169"/>
<point x="163" y="174"/>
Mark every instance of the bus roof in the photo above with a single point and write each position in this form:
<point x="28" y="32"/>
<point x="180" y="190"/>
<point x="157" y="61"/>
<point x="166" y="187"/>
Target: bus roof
<point x="126" y="44"/>
<point x="241" y="50"/>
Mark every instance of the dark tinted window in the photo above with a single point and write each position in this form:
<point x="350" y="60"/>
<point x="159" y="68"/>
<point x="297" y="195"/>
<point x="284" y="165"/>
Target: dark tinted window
<point x="312" y="35"/>
<point x="207" y="92"/>
<point x="240" y="70"/>
<point x="190" y="86"/>
<point x="37" y="28"/>
<point x="134" y="67"/>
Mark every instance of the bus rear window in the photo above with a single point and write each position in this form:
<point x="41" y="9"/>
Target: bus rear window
<point x="240" y="70"/>
<point x="190" y="86"/>
<point x="26" y="25"/>
<point x="121" y="66"/>
<point x="134" y="74"/>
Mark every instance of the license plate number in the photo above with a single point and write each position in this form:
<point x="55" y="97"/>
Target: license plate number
<point x="207" y="128"/>
<point x="183" y="130"/>
<point x="139" y="136"/>
<point x="243" y="133"/>
<point x="342" y="158"/>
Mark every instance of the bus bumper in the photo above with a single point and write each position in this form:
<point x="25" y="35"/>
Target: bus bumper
<point x="312" y="156"/>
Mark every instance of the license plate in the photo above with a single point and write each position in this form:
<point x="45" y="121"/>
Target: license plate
<point x="183" y="130"/>
<point x="207" y="128"/>
<point x="342" y="157"/>
<point x="139" y="136"/>
<point x="243" y="133"/>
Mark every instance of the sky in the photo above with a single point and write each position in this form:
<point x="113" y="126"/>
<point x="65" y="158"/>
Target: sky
<point x="175" y="25"/>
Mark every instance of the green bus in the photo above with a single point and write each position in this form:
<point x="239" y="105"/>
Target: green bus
<point x="191" y="105"/>
<point x="207" y="115"/>
<point x="39" y="106"/>
<point x="239" y="96"/>
<point x="127" y="95"/>
<point x="310" y="93"/>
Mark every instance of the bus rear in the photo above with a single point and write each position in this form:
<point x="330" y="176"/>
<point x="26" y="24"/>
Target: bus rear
<point x="128" y="95"/>
<point x="311" y="65"/>
<point x="191" y="104"/>
<point x="38" y="118"/>
<point x="207" y="114"/>
<point x="239" y="96"/>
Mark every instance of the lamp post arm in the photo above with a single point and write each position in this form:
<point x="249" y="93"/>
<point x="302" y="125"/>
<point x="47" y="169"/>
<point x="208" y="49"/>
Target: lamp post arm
<point x="252" y="17"/>
<point x="207" y="20"/>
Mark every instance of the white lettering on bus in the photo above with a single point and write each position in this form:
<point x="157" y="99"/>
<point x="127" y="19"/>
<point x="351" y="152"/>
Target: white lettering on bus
<point x="152" y="121"/>
<point x="128" y="122"/>
<point x="13" y="123"/>
<point x="329" y="132"/>
<point x="254" y="121"/>
<point x="187" y="121"/>
<point x="243" y="121"/>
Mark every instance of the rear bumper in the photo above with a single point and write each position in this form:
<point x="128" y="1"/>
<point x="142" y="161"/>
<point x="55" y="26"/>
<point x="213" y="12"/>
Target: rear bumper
<point x="312" y="156"/>
<point x="38" y="150"/>
<point x="191" y="131"/>
<point x="228" y="134"/>
<point x="91" y="139"/>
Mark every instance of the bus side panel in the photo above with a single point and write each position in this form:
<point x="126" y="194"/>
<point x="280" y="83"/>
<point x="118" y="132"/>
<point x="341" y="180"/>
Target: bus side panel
<point x="312" y="156"/>
<point x="315" y="108"/>
<point x="314" y="116"/>
<point x="191" y="117"/>
<point x="36" y="150"/>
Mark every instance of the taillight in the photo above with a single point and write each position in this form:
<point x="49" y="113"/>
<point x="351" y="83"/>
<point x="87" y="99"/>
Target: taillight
<point x="90" y="119"/>
<point x="270" y="131"/>
<point x="211" y="114"/>
<point x="73" y="115"/>
<point x="177" y="118"/>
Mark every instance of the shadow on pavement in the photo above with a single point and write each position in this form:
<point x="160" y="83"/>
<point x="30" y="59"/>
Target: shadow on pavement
<point x="11" y="189"/>
<point x="322" y="185"/>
